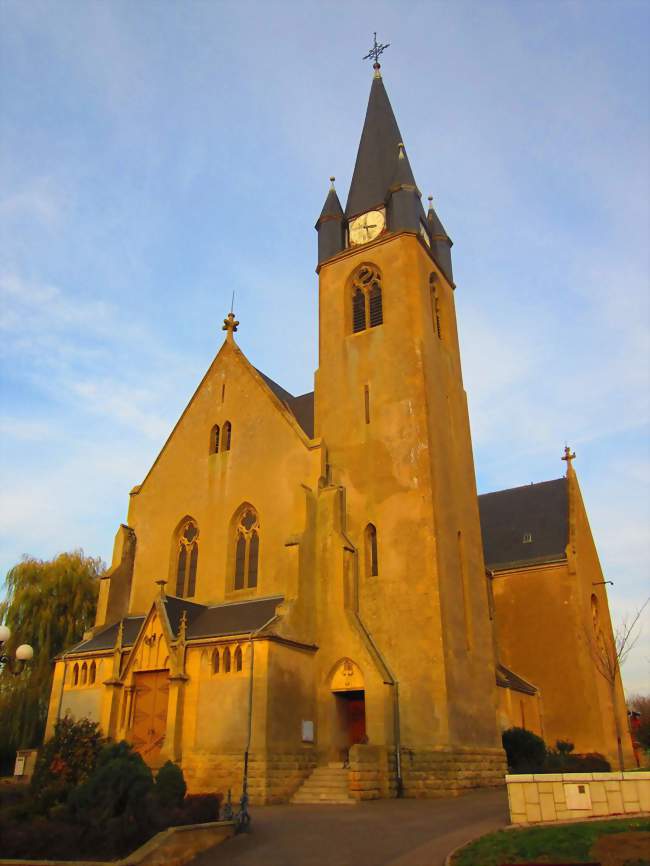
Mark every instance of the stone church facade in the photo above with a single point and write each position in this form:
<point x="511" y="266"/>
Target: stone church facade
<point x="302" y="582"/>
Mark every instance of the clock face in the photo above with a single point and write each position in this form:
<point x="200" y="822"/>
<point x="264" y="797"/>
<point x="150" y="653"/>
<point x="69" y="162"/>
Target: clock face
<point x="366" y="227"/>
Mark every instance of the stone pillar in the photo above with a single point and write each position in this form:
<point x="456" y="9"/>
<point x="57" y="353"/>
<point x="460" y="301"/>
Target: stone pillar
<point x="173" y="745"/>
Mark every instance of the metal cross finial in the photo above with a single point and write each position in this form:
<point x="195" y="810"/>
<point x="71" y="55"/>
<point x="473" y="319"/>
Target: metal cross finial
<point x="375" y="51"/>
<point x="568" y="455"/>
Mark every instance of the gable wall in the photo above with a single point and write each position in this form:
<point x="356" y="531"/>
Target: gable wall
<point x="266" y="465"/>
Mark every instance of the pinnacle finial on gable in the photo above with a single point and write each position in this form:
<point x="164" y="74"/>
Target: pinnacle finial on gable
<point x="230" y="325"/>
<point x="569" y="457"/>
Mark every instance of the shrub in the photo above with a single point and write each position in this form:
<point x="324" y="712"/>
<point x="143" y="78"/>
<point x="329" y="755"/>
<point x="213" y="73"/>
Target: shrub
<point x="200" y="808"/>
<point x="170" y="786"/>
<point x="65" y="761"/>
<point x="526" y="752"/>
<point x="115" y="800"/>
<point x="591" y="762"/>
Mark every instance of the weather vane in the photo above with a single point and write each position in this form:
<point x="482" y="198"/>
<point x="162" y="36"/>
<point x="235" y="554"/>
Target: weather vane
<point x="375" y="51"/>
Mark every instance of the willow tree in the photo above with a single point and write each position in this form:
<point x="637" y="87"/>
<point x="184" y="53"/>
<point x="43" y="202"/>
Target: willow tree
<point x="48" y="604"/>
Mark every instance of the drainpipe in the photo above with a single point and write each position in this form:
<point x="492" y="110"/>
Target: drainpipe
<point x="243" y="815"/>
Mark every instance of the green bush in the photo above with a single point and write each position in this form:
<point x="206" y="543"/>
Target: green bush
<point x="526" y="752"/>
<point x="67" y="759"/>
<point x="116" y="800"/>
<point x="170" y="786"/>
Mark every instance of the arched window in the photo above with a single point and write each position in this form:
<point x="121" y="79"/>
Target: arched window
<point x="435" y="304"/>
<point x="187" y="562"/>
<point x="247" y="547"/>
<point x="214" y="439"/>
<point x="226" y="660"/>
<point x="239" y="659"/>
<point x="215" y="662"/>
<point x="372" y="559"/>
<point x="92" y="673"/>
<point x="227" y="435"/>
<point x="84" y="674"/>
<point x="75" y="675"/>
<point x="367" y="307"/>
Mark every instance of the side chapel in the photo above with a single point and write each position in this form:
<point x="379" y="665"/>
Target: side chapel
<point x="310" y="585"/>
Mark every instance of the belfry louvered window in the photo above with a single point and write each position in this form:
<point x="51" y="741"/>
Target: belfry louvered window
<point x="367" y="307"/>
<point x="247" y="547"/>
<point x="188" y="559"/>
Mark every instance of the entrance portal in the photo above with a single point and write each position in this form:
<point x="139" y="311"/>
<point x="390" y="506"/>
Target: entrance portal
<point x="352" y="710"/>
<point x="150" y="714"/>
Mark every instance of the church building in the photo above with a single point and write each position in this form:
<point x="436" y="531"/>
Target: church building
<point x="308" y="590"/>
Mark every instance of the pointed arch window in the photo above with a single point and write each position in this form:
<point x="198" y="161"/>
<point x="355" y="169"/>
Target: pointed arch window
<point x="84" y="674"/>
<point x="239" y="659"/>
<point x="215" y="662"/>
<point x="226" y="660"/>
<point x="435" y="304"/>
<point x="247" y="549"/>
<point x="214" y="439"/>
<point x="372" y="558"/>
<point x="187" y="561"/>
<point x="75" y="675"/>
<point x="367" y="304"/>
<point x="92" y="673"/>
<point x="227" y="436"/>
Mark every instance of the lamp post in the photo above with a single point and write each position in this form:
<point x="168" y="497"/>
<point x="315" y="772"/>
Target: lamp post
<point x="24" y="653"/>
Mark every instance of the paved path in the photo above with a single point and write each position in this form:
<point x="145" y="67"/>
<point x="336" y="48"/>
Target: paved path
<point x="379" y="833"/>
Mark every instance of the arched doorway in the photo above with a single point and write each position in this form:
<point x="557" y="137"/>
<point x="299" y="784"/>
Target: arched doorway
<point x="347" y="687"/>
<point x="151" y="693"/>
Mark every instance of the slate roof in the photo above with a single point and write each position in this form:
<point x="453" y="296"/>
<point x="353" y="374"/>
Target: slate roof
<point x="376" y="164"/>
<point x="302" y="407"/>
<point x="508" y="679"/>
<point x="507" y="516"/>
<point x="202" y="621"/>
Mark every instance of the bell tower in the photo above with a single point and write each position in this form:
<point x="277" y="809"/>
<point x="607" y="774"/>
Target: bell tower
<point x="392" y="414"/>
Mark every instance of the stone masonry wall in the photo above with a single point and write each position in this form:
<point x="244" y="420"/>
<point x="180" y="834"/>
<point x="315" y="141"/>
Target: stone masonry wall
<point x="549" y="797"/>
<point x="443" y="772"/>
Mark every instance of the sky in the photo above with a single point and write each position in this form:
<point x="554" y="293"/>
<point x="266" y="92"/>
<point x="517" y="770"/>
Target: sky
<point x="156" y="157"/>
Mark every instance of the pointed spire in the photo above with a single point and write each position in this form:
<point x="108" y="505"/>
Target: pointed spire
<point x="441" y="243"/>
<point x="330" y="226"/>
<point x="332" y="208"/>
<point x="376" y="164"/>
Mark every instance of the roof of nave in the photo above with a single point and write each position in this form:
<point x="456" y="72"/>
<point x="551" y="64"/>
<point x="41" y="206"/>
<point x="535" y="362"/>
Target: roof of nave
<point x="301" y="407"/>
<point x="508" y="517"/>
<point x="203" y="620"/>
<point x="508" y="679"/>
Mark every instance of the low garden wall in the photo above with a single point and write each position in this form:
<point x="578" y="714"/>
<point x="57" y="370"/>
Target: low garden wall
<point x="546" y="797"/>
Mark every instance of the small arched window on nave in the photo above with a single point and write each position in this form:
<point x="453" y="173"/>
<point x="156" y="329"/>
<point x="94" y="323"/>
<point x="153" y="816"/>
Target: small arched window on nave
<point x="92" y="673"/>
<point x="367" y="303"/>
<point x="227" y="436"/>
<point x="226" y="660"/>
<point x="84" y="674"/>
<point x="247" y="547"/>
<point x="239" y="659"/>
<point x="214" y="439"/>
<point x="188" y="559"/>
<point x="75" y="675"/>
<point x="215" y="662"/>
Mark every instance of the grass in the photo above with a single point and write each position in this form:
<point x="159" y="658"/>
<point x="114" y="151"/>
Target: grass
<point x="564" y="842"/>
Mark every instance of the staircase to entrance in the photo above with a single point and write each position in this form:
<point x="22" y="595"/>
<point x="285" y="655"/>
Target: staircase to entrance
<point x="328" y="784"/>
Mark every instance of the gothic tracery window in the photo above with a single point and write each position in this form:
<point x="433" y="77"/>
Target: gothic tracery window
<point x="187" y="562"/>
<point x="367" y="304"/>
<point x="247" y="546"/>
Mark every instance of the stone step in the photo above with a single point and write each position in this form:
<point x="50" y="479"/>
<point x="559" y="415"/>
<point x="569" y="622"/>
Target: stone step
<point x="335" y="775"/>
<point x="323" y="798"/>
<point x="338" y="765"/>
<point x="325" y="789"/>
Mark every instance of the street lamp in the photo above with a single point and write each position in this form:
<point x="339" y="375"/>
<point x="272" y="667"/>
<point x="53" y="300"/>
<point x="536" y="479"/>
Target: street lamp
<point x="24" y="653"/>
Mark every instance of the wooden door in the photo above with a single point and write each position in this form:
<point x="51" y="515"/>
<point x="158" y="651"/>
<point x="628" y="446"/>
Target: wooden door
<point x="356" y="707"/>
<point x="150" y="713"/>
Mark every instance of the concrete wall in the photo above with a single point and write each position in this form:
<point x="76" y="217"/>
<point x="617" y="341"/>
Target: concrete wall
<point x="566" y="796"/>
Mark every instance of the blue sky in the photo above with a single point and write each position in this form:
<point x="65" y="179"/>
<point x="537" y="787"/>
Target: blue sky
<point x="157" y="156"/>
